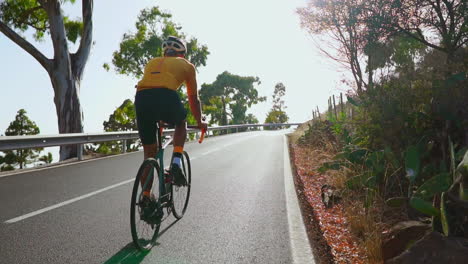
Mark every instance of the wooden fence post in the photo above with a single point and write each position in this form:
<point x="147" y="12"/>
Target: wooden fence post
<point x="341" y="103"/>
<point x="334" y="107"/>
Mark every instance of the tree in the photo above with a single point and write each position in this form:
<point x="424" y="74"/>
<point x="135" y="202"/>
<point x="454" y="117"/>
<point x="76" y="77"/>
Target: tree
<point x="122" y="119"/>
<point x="152" y="28"/>
<point x="276" y="117"/>
<point x="227" y="99"/>
<point x="8" y="160"/>
<point x="419" y="19"/>
<point x="278" y="93"/>
<point x="251" y="119"/>
<point x="277" y="113"/>
<point x="340" y="20"/>
<point x="21" y="126"/>
<point x="65" y="68"/>
<point x="363" y="29"/>
<point x="47" y="159"/>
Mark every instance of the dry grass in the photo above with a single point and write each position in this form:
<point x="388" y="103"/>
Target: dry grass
<point x="365" y="226"/>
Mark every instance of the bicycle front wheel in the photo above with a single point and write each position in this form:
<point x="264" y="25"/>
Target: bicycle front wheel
<point x="146" y="211"/>
<point x="181" y="194"/>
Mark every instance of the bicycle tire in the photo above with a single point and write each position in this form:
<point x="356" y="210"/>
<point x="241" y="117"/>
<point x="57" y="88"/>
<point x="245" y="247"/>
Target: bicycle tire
<point x="135" y="211"/>
<point x="179" y="204"/>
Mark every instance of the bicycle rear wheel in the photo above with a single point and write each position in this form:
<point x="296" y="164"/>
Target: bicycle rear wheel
<point x="181" y="194"/>
<point x="146" y="213"/>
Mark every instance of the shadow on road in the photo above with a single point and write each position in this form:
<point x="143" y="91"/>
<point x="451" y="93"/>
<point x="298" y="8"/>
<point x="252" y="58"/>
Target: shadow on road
<point x="131" y="255"/>
<point x="167" y="227"/>
<point x="128" y="255"/>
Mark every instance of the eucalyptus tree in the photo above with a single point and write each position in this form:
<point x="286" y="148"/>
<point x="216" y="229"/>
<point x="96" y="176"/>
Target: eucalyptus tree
<point x="277" y="113"/>
<point x="65" y="68"/>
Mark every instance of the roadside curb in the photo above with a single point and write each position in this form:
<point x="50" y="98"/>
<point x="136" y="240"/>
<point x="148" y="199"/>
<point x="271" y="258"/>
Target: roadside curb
<point x="300" y="245"/>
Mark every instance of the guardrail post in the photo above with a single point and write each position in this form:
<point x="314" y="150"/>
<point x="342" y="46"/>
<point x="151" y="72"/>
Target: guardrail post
<point x="237" y="130"/>
<point x="80" y="151"/>
<point x="124" y="146"/>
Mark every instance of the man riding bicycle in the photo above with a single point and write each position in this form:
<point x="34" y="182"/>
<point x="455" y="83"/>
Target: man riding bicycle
<point x="157" y="100"/>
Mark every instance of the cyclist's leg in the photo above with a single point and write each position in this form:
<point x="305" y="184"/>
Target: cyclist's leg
<point x="180" y="134"/>
<point x="149" y="151"/>
<point x="146" y="122"/>
<point x="176" y="114"/>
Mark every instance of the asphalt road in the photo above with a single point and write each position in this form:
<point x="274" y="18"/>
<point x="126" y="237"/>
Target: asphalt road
<point x="80" y="213"/>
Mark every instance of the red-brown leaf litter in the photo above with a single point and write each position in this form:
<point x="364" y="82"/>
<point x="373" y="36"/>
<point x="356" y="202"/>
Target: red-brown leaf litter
<point x="332" y="221"/>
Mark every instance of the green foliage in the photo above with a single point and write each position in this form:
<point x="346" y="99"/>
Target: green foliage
<point x="28" y="14"/>
<point x="122" y="119"/>
<point x="276" y="117"/>
<point x="73" y="29"/>
<point x="251" y="119"/>
<point x="424" y="207"/>
<point x="227" y="99"/>
<point x="435" y="185"/>
<point x="153" y="26"/>
<point x="277" y="113"/>
<point x="444" y="217"/>
<point x="21" y="126"/>
<point x="47" y="159"/>
<point x="407" y="130"/>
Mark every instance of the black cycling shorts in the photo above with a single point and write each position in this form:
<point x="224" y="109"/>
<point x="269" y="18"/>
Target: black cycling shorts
<point x="157" y="104"/>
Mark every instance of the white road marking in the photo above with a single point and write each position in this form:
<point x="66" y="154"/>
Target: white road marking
<point x="52" y="207"/>
<point x="300" y="245"/>
<point x="55" y="206"/>
<point x="210" y="151"/>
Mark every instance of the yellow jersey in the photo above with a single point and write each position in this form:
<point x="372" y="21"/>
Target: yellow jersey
<point x="169" y="72"/>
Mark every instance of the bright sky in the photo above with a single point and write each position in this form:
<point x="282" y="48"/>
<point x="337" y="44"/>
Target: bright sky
<point x="246" y="37"/>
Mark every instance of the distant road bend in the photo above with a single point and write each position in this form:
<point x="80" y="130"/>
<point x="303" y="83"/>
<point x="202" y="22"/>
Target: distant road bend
<point x="79" y="213"/>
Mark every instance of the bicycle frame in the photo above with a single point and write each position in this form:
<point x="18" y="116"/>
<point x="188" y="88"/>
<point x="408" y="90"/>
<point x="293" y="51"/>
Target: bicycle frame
<point x="160" y="158"/>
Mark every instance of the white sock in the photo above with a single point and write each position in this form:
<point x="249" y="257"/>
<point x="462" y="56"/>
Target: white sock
<point x="176" y="160"/>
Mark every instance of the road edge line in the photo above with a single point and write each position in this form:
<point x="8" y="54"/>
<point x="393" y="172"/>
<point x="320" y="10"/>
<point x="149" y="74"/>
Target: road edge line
<point x="300" y="245"/>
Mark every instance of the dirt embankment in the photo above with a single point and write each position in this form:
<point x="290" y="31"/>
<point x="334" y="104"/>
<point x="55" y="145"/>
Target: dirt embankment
<point x="328" y="228"/>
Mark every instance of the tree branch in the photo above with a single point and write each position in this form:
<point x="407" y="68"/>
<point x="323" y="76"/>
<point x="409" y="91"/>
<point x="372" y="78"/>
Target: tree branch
<point x="25" y="45"/>
<point x="82" y="54"/>
<point x="420" y="39"/>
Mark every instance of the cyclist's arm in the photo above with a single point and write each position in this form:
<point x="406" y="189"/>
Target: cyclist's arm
<point x="192" y="94"/>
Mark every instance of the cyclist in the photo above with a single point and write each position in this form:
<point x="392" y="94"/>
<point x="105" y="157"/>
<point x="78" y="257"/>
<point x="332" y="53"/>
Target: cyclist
<point x="157" y="100"/>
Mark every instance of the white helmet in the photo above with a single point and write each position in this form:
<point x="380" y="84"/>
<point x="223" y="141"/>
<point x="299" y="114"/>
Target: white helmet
<point x="173" y="43"/>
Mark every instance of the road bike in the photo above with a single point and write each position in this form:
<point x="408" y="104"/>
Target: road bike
<point x="147" y="214"/>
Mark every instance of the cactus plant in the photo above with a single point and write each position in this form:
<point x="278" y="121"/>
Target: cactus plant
<point x="444" y="217"/>
<point x="437" y="184"/>
<point x="424" y="207"/>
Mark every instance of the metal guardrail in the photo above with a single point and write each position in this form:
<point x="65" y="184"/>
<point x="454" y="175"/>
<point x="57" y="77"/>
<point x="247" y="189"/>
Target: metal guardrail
<point x="25" y="142"/>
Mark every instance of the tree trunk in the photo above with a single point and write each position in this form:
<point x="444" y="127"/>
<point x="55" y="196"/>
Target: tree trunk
<point x="67" y="71"/>
<point x="68" y="108"/>
<point x="224" y="118"/>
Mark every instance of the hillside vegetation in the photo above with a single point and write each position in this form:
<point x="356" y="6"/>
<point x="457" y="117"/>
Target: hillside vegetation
<point x="400" y="142"/>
